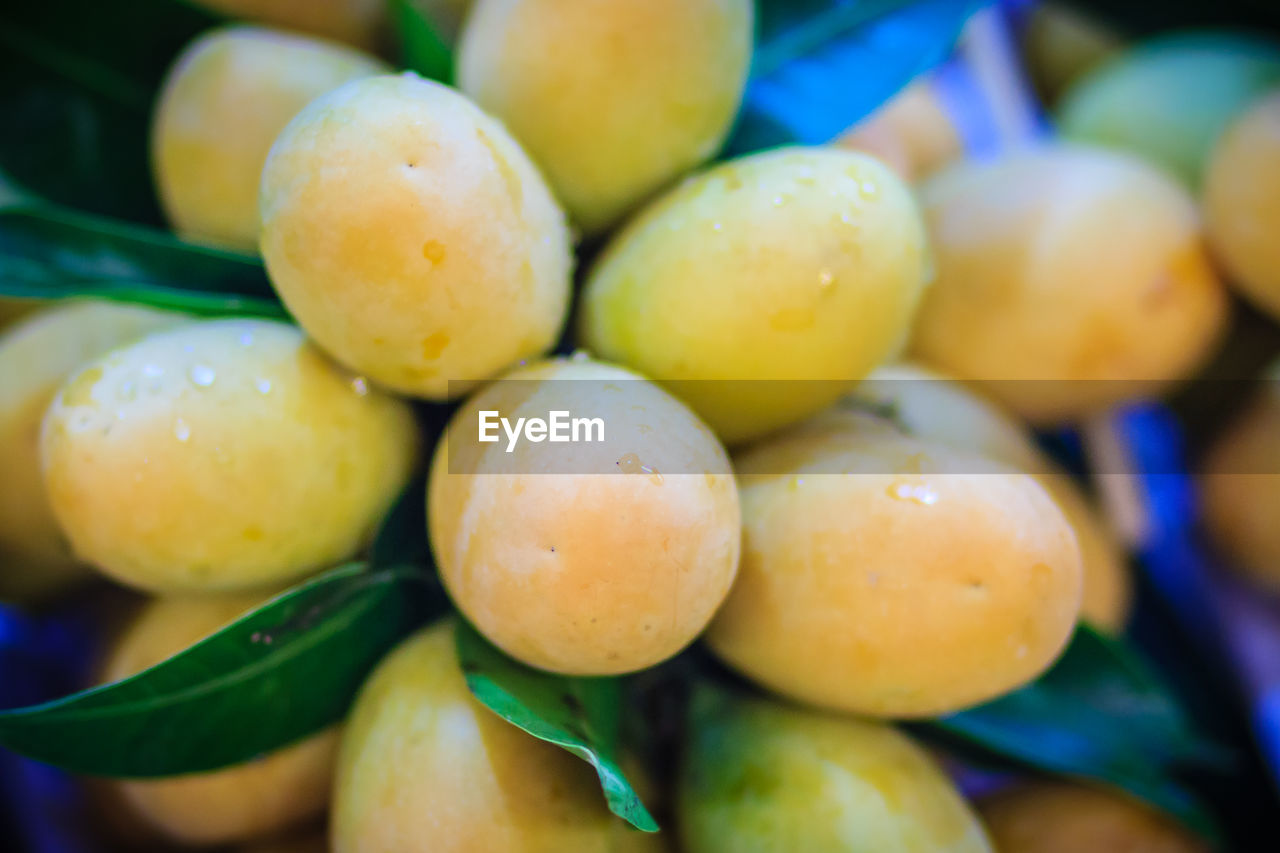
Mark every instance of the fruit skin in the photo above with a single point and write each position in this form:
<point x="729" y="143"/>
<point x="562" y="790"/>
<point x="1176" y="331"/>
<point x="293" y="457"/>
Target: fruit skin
<point x="569" y="568"/>
<point x="760" y="776"/>
<point x="412" y="237"/>
<point x="1169" y="98"/>
<point x="801" y="264"/>
<point x="1079" y="273"/>
<point x="934" y="408"/>
<point x="912" y="134"/>
<point x="615" y="99"/>
<point x="1242" y="203"/>
<point x="1240" y="488"/>
<point x="281" y="789"/>
<point x="223" y="103"/>
<point x="357" y="22"/>
<point x="36" y="355"/>
<point x="424" y="767"/>
<point x="221" y="455"/>
<point x="854" y="535"/>
<point x="1054" y="817"/>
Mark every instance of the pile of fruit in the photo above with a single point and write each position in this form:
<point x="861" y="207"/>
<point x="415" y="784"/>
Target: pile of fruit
<point x="818" y="509"/>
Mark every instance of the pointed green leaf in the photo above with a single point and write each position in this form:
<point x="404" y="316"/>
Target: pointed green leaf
<point x="281" y="672"/>
<point x="51" y="253"/>
<point x="581" y="715"/>
<point x="422" y="48"/>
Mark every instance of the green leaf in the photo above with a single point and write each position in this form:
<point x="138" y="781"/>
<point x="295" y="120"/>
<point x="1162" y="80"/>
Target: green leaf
<point x="822" y="65"/>
<point x="279" y="673"/>
<point x="422" y="48"/>
<point x="52" y="253"/>
<point x="1098" y="714"/>
<point x="77" y="82"/>
<point x="581" y="715"/>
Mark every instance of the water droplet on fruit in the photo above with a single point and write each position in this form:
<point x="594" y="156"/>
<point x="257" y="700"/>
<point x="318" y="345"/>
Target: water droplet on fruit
<point x="360" y="386"/>
<point x="152" y="370"/>
<point x="826" y="281"/>
<point x="264" y="386"/>
<point x="246" y="339"/>
<point x="181" y="431"/>
<point x="916" y="493"/>
<point x="868" y="190"/>
<point x="202" y="375"/>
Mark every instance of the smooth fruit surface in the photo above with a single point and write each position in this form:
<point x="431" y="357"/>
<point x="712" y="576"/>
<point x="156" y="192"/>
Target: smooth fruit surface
<point x="221" y="455"/>
<point x="412" y="237"/>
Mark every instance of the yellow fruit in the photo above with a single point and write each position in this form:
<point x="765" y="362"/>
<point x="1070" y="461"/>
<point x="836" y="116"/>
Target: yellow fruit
<point x="1167" y="100"/>
<point x="912" y="134"/>
<point x="35" y="357"/>
<point x="1061" y="43"/>
<point x="931" y="407"/>
<point x="759" y="777"/>
<point x="855" y="536"/>
<point x="222" y="455"/>
<point x="424" y="768"/>
<point x="803" y="265"/>
<point x="244" y="801"/>
<point x="1053" y="817"/>
<point x="588" y="559"/>
<point x="358" y="22"/>
<point x="224" y="102"/>
<point x="412" y="237"/>
<point x="1242" y="203"/>
<point x="615" y="99"/>
<point x="1074" y="273"/>
<point x="1241" y="488"/>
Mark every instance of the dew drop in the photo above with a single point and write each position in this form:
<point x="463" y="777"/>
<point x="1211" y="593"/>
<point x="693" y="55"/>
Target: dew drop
<point x="181" y="431"/>
<point x="868" y="190"/>
<point x="920" y="494"/>
<point x="360" y="386"/>
<point x="128" y="391"/>
<point x="263" y="386"/>
<point x="202" y="375"/>
<point x="717" y="226"/>
<point x="246" y="339"/>
<point x="152" y="370"/>
<point x="826" y="280"/>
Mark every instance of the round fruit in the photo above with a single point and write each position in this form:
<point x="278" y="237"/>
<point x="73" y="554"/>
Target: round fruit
<point x="613" y="100"/>
<point x="224" y="102"/>
<point x="1076" y="274"/>
<point x="35" y="357"/>
<point x="1241" y="488"/>
<point x="804" y="265"/>
<point x="412" y="237"/>
<point x="585" y="558"/>
<point x="855" y="536"/>
<point x="244" y="801"/>
<point x="758" y="777"/>
<point x="221" y="455"/>
<point x="912" y="134"/>
<point x="931" y="407"/>
<point x="1168" y="99"/>
<point x="358" y="22"/>
<point x="1052" y="817"/>
<point x="424" y="767"/>
<point x="1242" y="203"/>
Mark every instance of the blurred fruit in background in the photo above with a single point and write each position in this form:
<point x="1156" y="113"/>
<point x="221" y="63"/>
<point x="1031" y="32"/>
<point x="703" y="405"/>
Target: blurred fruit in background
<point x="1242" y="202"/>
<point x="1058" y="817"/>
<point x="1167" y="99"/>
<point x="357" y="22"/>
<point x="1070" y="279"/>
<point x="912" y="134"/>
<point x="224" y="102"/>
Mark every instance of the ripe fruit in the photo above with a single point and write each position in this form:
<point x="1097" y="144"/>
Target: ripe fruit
<point x="911" y="133"/>
<point x="588" y="559"/>
<point x="758" y="777"/>
<point x="803" y="265"/>
<point x="424" y="767"/>
<point x="412" y="237"/>
<point x="1242" y="203"/>
<point x="889" y="576"/>
<point x="265" y="795"/>
<point x="36" y="355"/>
<point x="222" y="455"/>
<point x="1074" y="276"/>
<point x="224" y="102"/>
<point x="613" y="100"/>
